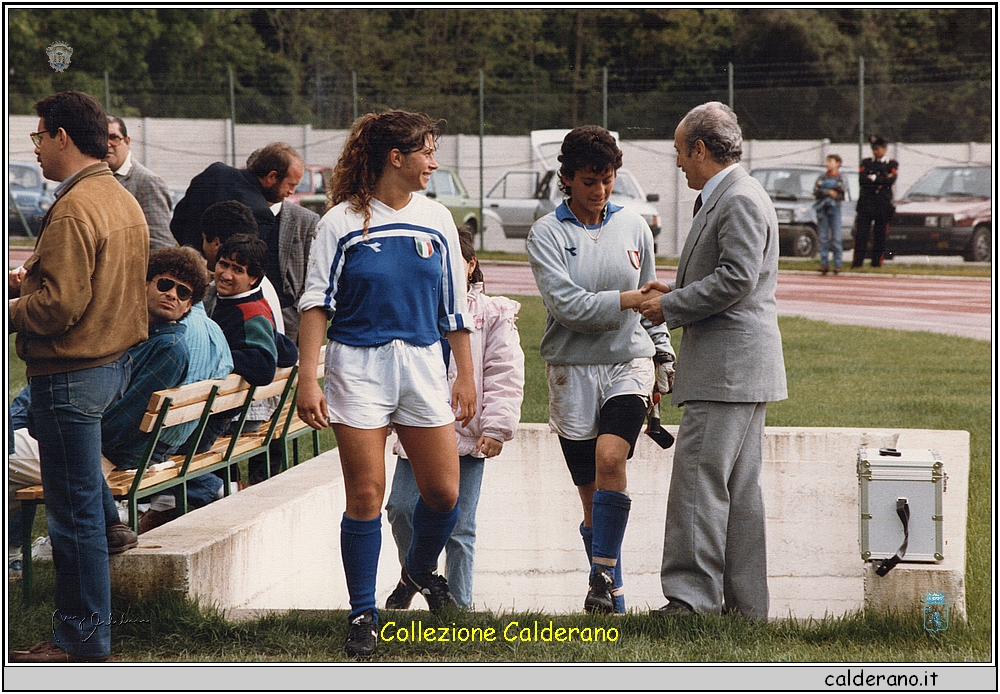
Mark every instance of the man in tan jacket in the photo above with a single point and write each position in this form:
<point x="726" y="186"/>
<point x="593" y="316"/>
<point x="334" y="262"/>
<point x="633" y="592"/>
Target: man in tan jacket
<point x="80" y="304"/>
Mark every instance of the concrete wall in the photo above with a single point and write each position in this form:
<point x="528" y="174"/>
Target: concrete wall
<point x="276" y="545"/>
<point x="178" y="149"/>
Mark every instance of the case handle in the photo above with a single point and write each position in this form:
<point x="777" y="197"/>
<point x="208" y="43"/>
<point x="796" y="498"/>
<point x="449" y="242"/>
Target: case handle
<point x="903" y="511"/>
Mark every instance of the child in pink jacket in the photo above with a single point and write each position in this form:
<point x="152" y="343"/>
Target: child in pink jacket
<point x="499" y="372"/>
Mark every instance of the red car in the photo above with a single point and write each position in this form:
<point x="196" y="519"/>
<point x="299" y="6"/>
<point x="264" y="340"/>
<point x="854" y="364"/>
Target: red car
<point x="949" y="211"/>
<point x="315" y="181"/>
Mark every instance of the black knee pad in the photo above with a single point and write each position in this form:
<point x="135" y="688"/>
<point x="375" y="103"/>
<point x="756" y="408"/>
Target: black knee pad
<point x="581" y="459"/>
<point x="623" y="416"/>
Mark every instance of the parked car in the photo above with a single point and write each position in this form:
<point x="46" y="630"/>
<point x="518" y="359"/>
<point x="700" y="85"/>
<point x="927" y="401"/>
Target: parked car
<point x="948" y="211"/>
<point x="444" y="186"/>
<point x="315" y="181"/>
<point x="521" y="197"/>
<point x="791" y="189"/>
<point x="29" y="199"/>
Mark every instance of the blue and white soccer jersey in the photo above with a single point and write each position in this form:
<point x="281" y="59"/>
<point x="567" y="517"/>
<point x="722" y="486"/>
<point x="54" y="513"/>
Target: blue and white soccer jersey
<point x="400" y="287"/>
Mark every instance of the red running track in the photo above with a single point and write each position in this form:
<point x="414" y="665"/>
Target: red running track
<point x="950" y="305"/>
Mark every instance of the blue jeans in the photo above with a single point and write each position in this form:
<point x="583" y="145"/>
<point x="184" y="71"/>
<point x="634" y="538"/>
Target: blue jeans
<point x="65" y="418"/>
<point x="828" y="230"/>
<point x="460" y="551"/>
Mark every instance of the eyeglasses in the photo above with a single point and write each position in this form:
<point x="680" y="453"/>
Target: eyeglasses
<point x="36" y="138"/>
<point x="115" y="139"/>
<point x="165" y="284"/>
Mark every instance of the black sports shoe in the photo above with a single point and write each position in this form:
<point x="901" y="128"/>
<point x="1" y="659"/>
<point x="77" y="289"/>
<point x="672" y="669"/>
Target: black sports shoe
<point x="433" y="587"/>
<point x="362" y="636"/>
<point x="599" y="597"/>
<point x="401" y="596"/>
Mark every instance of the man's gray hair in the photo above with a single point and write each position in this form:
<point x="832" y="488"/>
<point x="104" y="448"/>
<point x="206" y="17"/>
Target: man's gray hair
<point x="715" y="124"/>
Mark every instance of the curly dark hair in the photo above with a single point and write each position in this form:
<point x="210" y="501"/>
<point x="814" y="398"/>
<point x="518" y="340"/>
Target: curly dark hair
<point x="184" y="264"/>
<point x="362" y="161"/>
<point x="227" y="218"/>
<point x="590" y="148"/>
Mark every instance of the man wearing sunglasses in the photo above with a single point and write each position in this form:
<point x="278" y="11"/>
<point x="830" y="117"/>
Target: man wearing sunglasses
<point x="79" y="306"/>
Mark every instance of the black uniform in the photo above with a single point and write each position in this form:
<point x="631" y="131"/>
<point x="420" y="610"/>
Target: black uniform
<point x="874" y="206"/>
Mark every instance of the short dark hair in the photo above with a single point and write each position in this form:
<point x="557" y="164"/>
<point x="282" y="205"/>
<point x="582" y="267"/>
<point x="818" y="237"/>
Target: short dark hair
<point x="120" y="122"/>
<point x="227" y="218"/>
<point x="182" y="263"/>
<point x="276" y="156"/>
<point x="836" y="158"/>
<point x="877" y="141"/>
<point x="246" y="249"/>
<point x="466" y="239"/>
<point x="81" y="116"/>
<point x="591" y="148"/>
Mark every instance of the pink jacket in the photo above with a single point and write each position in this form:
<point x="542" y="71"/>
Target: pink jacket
<point x="498" y="366"/>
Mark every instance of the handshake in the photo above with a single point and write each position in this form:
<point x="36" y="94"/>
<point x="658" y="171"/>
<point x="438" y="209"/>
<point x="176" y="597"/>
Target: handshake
<point x="646" y="300"/>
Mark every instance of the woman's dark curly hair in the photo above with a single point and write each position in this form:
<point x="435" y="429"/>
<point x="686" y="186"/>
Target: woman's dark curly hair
<point x="183" y="263"/>
<point x="590" y="148"/>
<point x="366" y="152"/>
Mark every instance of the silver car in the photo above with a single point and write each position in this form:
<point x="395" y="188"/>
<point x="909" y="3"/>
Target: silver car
<point x="791" y="189"/>
<point x="521" y="197"/>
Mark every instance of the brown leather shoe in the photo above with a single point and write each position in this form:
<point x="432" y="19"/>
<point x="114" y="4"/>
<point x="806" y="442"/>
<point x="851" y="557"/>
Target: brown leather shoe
<point x="48" y="652"/>
<point x="154" y="519"/>
<point x="121" y="538"/>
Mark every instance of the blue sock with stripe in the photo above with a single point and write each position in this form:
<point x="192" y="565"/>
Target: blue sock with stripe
<point x="588" y="544"/>
<point x="360" y="544"/>
<point x="610" y="512"/>
<point x="431" y="530"/>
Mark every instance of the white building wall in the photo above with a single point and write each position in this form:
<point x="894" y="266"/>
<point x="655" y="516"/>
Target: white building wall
<point x="178" y="149"/>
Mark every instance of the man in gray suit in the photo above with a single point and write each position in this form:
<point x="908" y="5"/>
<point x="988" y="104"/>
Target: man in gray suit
<point x="729" y="367"/>
<point x="146" y="187"/>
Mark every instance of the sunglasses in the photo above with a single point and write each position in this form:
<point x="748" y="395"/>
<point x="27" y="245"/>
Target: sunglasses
<point x="165" y="284"/>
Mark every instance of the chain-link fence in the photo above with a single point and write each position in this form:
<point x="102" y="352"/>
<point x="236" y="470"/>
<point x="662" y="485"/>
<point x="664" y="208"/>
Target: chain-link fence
<point x="911" y="100"/>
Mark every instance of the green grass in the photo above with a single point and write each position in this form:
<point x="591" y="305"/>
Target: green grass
<point x="837" y="376"/>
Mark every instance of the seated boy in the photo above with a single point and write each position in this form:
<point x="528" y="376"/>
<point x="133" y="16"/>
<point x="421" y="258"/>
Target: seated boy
<point x="247" y="322"/>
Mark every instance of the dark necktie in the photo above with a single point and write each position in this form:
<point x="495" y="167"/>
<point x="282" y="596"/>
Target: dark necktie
<point x="697" y="204"/>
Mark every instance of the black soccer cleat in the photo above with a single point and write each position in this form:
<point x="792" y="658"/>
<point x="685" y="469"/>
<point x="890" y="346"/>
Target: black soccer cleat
<point x="433" y="587"/>
<point x="401" y="596"/>
<point x="362" y="636"/>
<point x="599" y="597"/>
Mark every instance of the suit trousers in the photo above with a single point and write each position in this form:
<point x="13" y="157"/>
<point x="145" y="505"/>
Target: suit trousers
<point x="714" y="549"/>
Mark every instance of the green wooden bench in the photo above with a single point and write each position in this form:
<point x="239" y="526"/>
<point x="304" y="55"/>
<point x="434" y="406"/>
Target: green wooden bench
<point x="188" y="403"/>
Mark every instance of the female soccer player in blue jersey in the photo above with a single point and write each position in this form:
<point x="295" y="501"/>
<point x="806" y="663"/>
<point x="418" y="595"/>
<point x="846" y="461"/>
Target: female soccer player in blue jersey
<point x="386" y="271"/>
<point x="589" y="258"/>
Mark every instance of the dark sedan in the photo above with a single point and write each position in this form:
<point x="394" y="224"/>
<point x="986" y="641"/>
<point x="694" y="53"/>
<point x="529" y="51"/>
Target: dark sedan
<point x="949" y="211"/>
<point x="28" y="199"/>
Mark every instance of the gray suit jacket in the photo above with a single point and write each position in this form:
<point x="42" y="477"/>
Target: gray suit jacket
<point x="724" y="299"/>
<point x="154" y="198"/>
<point x="296" y="230"/>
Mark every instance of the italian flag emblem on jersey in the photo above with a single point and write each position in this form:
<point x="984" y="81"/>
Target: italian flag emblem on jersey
<point x="425" y="249"/>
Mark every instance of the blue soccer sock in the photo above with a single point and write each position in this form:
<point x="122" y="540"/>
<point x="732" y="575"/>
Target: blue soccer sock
<point x="360" y="544"/>
<point x="588" y="544"/>
<point x="431" y="530"/>
<point x="610" y="512"/>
